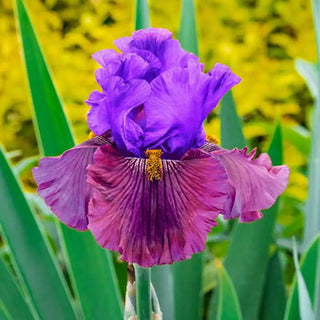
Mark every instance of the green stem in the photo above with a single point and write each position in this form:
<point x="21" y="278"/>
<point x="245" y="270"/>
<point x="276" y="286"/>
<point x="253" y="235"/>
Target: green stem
<point x="143" y="280"/>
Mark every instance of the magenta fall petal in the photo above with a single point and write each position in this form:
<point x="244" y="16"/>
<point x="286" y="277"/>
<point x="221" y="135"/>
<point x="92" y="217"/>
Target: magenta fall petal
<point x="154" y="222"/>
<point x="62" y="182"/>
<point x="254" y="184"/>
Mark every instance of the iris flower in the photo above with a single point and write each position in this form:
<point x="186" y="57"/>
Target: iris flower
<point x="148" y="184"/>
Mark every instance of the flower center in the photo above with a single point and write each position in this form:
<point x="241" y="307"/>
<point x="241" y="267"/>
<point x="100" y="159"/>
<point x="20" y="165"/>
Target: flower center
<point x="154" y="165"/>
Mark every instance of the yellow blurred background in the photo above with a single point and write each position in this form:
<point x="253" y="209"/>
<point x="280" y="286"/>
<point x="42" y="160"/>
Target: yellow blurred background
<point x="258" y="39"/>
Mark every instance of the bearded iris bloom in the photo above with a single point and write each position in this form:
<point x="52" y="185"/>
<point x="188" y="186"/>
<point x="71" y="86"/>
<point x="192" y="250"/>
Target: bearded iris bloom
<point x="149" y="185"/>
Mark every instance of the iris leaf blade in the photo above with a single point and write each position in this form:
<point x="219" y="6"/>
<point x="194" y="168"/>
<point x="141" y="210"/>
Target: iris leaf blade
<point x="90" y="267"/>
<point x="305" y="304"/>
<point x="231" y="127"/>
<point x="312" y="77"/>
<point x="42" y="277"/>
<point x="162" y="280"/>
<point x="274" y="293"/>
<point x="310" y="74"/>
<point x="309" y="265"/>
<point x="228" y="306"/>
<point x="248" y="250"/>
<point x="312" y="219"/>
<point x="142" y="15"/>
<point x="4" y="314"/>
<point x="188" y="297"/>
<point x="188" y="27"/>
<point x="11" y="296"/>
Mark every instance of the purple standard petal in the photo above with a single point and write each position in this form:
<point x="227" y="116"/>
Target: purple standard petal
<point x="144" y="39"/>
<point x="127" y="66"/>
<point x="154" y="222"/>
<point x="97" y="117"/>
<point x="103" y="57"/>
<point x="178" y="104"/>
<point x="156" y="46"/>
<point x="62" y="182"/>
<point x="126" y="99"/>
<point x="174" y="112"/>
<point x="221" y="80"/>
<point x="253" y="183"/>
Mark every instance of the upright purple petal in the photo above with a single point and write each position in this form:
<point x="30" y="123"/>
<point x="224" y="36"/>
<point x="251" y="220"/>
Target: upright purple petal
<point x="97" y="117"/>
<point x="126" y="99"/>
<point x="174" y="112"/>
<point x="145" y="39"/>
<point x="62" y="182"/>
<point x="156" y="46"/>
<point x="104" y="56"/>
<point x="128" y="66"/>
<point x="160" y="221"/>
<point x="221" y="80"/>
<point x="178" y="104"/>
<point x="253" y="183"/>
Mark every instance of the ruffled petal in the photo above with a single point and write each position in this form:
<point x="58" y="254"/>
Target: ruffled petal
<point x="154" y="222"/>
<point x="104" y="56"/>
<point x="62" y="182"/>
<point x="97" y="116"/>
<point x="128" y="66"/>
<point x="174" y="130"/>
<point x="253" y="183"/>
<point x="145" y="39"/>
<point x="181" y="93"/>
<point x="221" y="80"/>
<point x="187" y="95"/>
<point x="156" y="46"/>
<point x="125" y="99"/>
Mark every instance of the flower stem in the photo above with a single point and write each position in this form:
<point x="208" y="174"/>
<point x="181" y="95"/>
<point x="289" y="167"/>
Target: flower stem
<point x="143" y="280"/>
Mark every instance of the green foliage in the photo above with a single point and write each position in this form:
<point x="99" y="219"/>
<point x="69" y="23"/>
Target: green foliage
<point x="50" y="117"/>
<point x="305" y="305"/>
<point x="188" y="27"/>
<point x="142" y="14"/>
<point x="247" y="257"/>
<point x="228" y="307"/>
<point x="11" y="295"/>
<point x="90" y="267"/>
<point x="187" y="288"/>
<point x="274" y="296"/>
<point x="304" y="285"/>
<point x="231" y="127"/>
<point x="312" y="76"/>
<point x="32" y="256"/>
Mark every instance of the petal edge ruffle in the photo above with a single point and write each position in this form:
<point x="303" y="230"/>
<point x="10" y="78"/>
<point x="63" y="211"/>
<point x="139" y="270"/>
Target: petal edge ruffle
<point x="62" y="182"/>
<point x="156" y="222"/>
<point x="254" y="184"/>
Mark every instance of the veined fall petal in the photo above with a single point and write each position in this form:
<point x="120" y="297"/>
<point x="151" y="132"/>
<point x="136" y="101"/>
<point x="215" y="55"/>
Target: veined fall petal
<point x="160" y="221"/>
<point x="254" y="184"/>
<point x="62" y="182"/>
